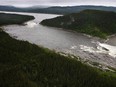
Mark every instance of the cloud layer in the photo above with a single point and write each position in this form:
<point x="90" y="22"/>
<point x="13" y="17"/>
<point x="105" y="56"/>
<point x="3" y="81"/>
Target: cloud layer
<point x="57" y="2"/>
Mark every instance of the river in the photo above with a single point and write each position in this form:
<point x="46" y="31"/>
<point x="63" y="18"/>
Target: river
<point x="63" y="40"/>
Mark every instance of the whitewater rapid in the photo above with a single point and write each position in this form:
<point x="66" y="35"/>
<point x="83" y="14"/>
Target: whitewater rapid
<point x="101" y="48"/>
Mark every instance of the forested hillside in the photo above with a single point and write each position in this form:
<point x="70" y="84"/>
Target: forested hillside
<point x="26" y="65"/>
<point x="93" y="22"/>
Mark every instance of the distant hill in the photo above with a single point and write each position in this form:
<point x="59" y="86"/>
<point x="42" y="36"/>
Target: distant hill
<point x="56" y="9"/>
<point x="92" y="22"/>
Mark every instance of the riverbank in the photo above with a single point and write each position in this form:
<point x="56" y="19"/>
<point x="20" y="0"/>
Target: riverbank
<point x="7" y="19"/>
<point x="92" y="22"/>
<point x="26" y="65"/>
<point x="34" y="65"/>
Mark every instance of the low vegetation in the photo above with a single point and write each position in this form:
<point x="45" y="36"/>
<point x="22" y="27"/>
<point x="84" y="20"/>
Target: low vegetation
<point x="26" y="65"/>
<point x="5" y="19"/>
<point x="92" y="22"/>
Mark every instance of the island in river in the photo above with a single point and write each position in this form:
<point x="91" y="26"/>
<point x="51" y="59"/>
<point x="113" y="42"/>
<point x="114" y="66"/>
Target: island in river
<point x="26" y="65"/>
<point x="93" y="22"/>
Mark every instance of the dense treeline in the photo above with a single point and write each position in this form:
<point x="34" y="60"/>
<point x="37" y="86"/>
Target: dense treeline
<point x="92" y="22"/>
<point x="26" y="65"/>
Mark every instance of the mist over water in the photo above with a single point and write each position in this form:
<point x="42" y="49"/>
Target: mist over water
<point x="31" y="24"/>
<point x="63" y="40"/>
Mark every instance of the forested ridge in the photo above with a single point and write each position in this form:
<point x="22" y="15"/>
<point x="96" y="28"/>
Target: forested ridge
<point x="93" y="22"/>
<point x="26" y="65"/>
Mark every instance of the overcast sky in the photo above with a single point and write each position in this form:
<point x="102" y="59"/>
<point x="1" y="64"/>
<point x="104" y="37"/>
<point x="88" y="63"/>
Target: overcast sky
<point x="25" y="3"/>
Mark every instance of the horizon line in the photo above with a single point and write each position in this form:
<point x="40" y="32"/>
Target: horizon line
<point x="26" y="6"/>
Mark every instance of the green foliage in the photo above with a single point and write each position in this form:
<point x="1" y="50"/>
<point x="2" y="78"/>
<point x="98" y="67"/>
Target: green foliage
<point x="26" y="65"/>
<point x="92" y="22"/>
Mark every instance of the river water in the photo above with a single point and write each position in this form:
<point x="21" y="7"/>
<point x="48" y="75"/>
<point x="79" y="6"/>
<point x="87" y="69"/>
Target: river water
<point x="63" y="40"/>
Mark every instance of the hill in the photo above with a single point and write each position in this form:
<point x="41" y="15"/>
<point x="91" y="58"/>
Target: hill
<point x="92" y="22"/>
<point x="56" y="9"/>
<point x="26" y="65"/>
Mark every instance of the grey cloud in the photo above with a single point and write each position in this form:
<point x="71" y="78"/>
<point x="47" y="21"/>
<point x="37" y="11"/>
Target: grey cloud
<point x="58" y="2"/>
